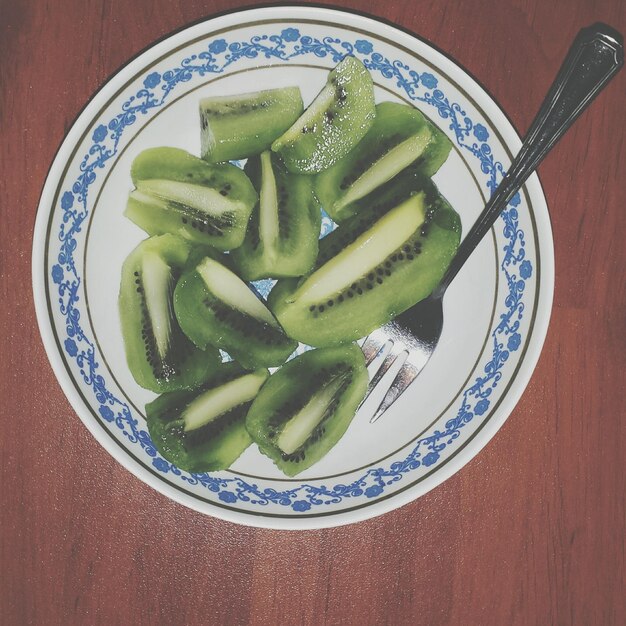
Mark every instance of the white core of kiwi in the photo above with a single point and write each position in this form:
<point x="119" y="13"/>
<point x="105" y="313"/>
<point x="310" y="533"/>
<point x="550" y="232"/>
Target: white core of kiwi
<point x="215" y="402"/>
<point x="199" y="197"/>
<point x="141" y="197"/>
<point x="367" y="251"/>
<point x="207" y="137"/>
<point x="230" y="289"/>
<point x="268" y="203"/>
<point x="156" y="279"/>
<point x="310" y="117"/>
<point x="386" y="167"/>
<point x="299" y="427"/>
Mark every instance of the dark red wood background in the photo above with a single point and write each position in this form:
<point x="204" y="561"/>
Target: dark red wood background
<point x="530" y="532"/>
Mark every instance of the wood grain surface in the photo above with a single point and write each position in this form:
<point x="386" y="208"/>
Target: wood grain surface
<point x="530" y="532"/>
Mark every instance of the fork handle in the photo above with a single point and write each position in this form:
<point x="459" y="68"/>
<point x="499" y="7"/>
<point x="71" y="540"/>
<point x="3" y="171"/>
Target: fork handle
<point x="594" y="58"/>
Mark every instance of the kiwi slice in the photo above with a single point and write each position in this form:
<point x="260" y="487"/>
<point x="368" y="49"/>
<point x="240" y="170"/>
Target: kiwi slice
<point x="369" y="270"/>
<point x="387" y="196"/>
<point x="400" y="136"/>
<point x="215" y="307"/>
<point x="237" y="127"/>
<point x="181" y="194"/>
<point x="204" y="430"/>
<point x="306" y="406"/>
<point x="283" y="233"/>
<point x="333" y="124"/>
<point x="159" y="355"/>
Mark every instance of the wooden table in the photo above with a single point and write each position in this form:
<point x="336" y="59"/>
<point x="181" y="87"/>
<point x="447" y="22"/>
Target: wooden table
<point x="530" y="532"/>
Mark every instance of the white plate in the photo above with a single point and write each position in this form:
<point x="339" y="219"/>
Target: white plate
<point x="496" y="312"/>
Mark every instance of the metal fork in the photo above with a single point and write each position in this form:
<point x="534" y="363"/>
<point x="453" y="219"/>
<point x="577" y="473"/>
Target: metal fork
<point x="596" y="55"/>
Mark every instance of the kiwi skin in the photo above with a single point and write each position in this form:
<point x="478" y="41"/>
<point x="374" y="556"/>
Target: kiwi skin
<point x="288" y="390"/>
<point x="404" y="278"/>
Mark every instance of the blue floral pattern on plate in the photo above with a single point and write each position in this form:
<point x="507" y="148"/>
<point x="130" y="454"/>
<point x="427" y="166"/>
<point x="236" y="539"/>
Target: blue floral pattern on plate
<point x="290" y="43"/>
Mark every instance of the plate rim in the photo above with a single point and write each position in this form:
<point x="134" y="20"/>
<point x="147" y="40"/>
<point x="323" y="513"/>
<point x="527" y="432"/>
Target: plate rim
<point x="395" y="500"/>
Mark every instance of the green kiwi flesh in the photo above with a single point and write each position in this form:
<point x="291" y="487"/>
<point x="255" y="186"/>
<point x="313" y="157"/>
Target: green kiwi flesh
<point x="159" y="355"/>
<point x="387" y="196"/>
<point x="401" y="136"/>
<point x="181" y="194"/>
<point x="214" y="307"/>
<point x="237" y="127"/>
<point x="217" y="412"/>
<point x="304" y="409"/>
<point x="283" y="233"/>
<point x="333" y="124"/>
<point x="359" y="283"/>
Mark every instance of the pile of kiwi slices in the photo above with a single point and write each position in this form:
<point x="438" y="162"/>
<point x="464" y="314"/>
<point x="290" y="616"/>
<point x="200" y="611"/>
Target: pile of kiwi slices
<point x="195" y="329"/>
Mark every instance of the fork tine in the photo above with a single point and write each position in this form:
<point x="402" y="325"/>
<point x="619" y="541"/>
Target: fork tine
<point x="374" y="365"/>
<point x="390" y="359"/>
<point x="372" y="345"/>
<point x="407" y="374"/>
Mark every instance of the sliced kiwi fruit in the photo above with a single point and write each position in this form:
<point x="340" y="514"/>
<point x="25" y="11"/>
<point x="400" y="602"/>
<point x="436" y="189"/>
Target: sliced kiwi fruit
<point x="159" y="355"/>
<point x="214" y="307"/>
<point x="237" y="127"/>
<point x="283" y="233"/>
<point x="204" y="430"/>
<point x="181" y="194"/>
<point x="306" y="406"/>
<point x="333" y="123"/>
<point x="387" y="196"/>
<point x="369" y="270"/>
<point x="401" y="136"/>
